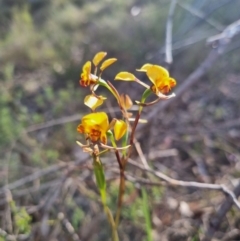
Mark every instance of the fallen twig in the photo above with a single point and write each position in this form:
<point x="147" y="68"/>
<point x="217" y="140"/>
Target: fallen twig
<point x="175" y="182"/>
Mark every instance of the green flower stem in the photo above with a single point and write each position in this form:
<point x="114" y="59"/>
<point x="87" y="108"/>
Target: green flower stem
<point x="147" y="215"/>
<point x="121" y="189"/>
<point x="101" y="184"/>
<point x="121" y="192"/>
<point x="112" y="223"/>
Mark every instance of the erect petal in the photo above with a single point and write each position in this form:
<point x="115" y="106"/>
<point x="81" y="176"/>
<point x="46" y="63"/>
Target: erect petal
<point x="125" y="76"/>
<point x="145" y="67"/>
<point x="85" y="78"/>
<point x="93" y="102"/>
<point x="107" y="63"/>
<point x="157" y="74"/>
<point x="86" y="70"/>
<point x="98" y="58"/>
<point x="120" y="128"/>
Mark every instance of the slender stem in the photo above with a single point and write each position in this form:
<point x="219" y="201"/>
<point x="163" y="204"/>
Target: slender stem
<point x="135" y="126"/>
<point x="122" y="162"/>
<point x="146" y="93"/>
<point x="111" y="222"/>
<point x="121" y="189"/>
<point x="146" y="212"/>
<point x="101" y="184"/>
<point x="121" y="192"/>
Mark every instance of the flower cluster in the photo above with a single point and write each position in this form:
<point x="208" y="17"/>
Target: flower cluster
<point x="159" y="76"/>
<point x="96" y="126"/>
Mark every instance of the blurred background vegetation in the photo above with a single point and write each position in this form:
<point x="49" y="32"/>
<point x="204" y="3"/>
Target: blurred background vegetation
<point x="43" y="45"/>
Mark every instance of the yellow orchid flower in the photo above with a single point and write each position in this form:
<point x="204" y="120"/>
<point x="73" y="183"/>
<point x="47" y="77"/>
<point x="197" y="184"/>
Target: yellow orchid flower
<point x="86" y="77"/>
<point x="95" y="126"/>
<point x="160" y="78"/>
